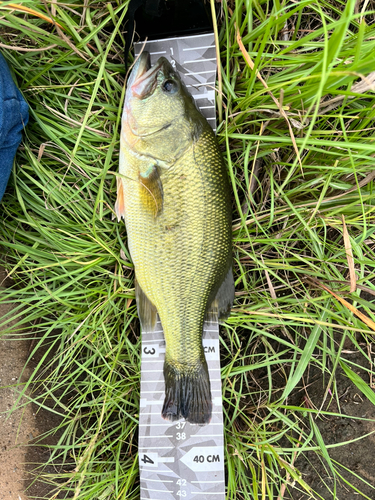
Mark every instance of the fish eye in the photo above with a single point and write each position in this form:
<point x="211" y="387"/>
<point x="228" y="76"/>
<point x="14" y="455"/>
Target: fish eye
<point x="170" y="86"/>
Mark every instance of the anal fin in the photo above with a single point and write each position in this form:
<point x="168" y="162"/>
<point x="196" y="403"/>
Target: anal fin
<point x="146" y="310"/>
<point x="220" y="307"/>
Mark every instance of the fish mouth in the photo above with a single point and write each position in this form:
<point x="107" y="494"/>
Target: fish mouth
<point x="142" y="80"/>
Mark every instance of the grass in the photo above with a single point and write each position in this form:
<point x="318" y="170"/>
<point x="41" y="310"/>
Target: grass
<point x="303" y="228"/>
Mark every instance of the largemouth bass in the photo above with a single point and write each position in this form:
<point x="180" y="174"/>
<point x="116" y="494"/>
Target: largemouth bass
<point x="173" y="193"/>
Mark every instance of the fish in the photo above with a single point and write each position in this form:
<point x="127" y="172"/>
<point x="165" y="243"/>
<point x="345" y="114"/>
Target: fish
<point x="173" y="193"/>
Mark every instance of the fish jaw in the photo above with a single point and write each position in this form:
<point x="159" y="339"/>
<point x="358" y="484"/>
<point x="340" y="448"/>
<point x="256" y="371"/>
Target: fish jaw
<point x="144" y="78"/>
<point x="142" y="82"/>
<point x="142" y="65"/>
<point x="145" y="84"/>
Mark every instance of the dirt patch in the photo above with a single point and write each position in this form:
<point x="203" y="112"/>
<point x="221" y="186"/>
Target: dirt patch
<point x="354" y="460"/>
<point x="38" y="454"/>
<point x="19" y="429"/>
<point x="15" y="428"/>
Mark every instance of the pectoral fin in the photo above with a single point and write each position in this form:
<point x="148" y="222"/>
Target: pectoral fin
<point x="146" y="310"/>
<point x="152" y="190"/>
<point x="220" y="307"/>
<point x="120" y="202"/>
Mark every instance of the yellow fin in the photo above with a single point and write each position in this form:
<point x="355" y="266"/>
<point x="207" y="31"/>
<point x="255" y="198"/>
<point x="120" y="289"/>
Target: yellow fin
<point x="152" y="190"/>
<point x="120" y="202"/>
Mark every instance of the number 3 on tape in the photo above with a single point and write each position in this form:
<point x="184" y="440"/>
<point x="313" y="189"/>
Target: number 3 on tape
<point x="151" y="351"/>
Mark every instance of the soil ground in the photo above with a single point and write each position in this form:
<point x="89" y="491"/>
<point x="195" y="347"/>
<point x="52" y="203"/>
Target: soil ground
<point x="17" y="427"/>
<point x="356" y="458"/>
<point x="21" y="427"/>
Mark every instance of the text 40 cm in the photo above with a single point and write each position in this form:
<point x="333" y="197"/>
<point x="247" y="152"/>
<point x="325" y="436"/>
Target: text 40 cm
<point x="210" y="459"/>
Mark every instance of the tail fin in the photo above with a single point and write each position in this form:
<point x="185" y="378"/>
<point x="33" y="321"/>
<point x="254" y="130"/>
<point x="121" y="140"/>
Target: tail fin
<point x="187" y="393"/>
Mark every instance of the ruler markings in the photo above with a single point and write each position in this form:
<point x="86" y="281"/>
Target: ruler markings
<point x="165" y="436"/>
<point x="200" y="85"/>
<point x="153" y="447"/>
<point x="157" y="382"/>
<point x="208" y="482"/>
<point x="148" y="413"/>
<point x="167" y="424"/>
<point x="150" y="371"/>
<point x="199" y="48"/>
<point x="161" y="491"/>
<point x="199" y="60"/>
<point x="209" y="97"/>
<point x="206" y="493"/>
<point x="148" y="498"/>
<point x="163" y="480"/>
<point x="201" y="72"/>
<point x="205" y="435"/>
<point x="156" y="340"/>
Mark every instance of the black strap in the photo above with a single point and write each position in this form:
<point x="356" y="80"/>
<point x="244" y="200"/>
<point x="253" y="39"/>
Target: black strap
<point x="160" y="19"/>
<point x="150" y="7"/>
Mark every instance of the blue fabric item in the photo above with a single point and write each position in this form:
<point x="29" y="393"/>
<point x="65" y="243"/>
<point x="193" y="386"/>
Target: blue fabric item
<point x="14" y="115"/>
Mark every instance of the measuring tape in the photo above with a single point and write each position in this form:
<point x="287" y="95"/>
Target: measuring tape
<point x="179" y="459"/>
